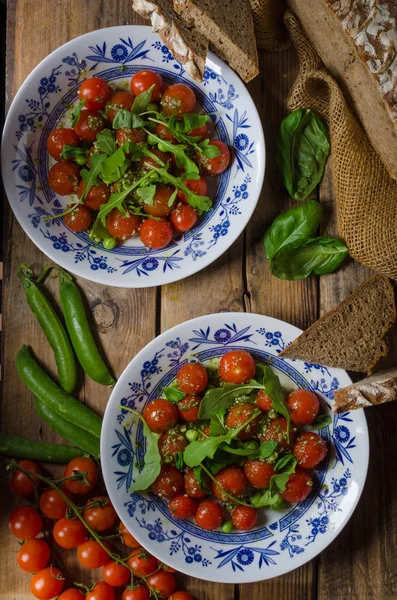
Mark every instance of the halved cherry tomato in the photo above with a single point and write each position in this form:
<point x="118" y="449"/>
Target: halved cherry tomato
<point x="91" y="554"/>
<point x="182" y="507"/>
<point x="198" y="186"/>
<point x="102" y="517"/>
<point x="117" y="101"/>
<point x="170" y="443"/>
<point x="232" y="480"/>
<point x="237" y="366"/>
<point x="209" y="515"/>
<point x="69" y="533"/>
<point x="214" y="166"/>
<point x="264" y="401"/>
<point x="142" y="562"/>
<point x="122" y="226"/>
<point x="128" y="539"/>
<point x="160" y="415"/>
<point x="64" y="177"/>
<point x="188" y="408"/>
<point x="97" y="195"/>
<point x="244" y="517"/>
<point x="299" y="486"/>
<point x="79" y="219"/>
<point x="115" y="574"/>
<point x="60" y="137"/>
<point x="71" y="594"/>
<point x="183" y="218"/>
<point x="130" y="134"/>
<point x="20" y="483"/>
<point x="80" y="465"/>
<point x="33" y="555"/>
<point x="178" y="98"/>
<point x="101" y="591"/>
<point x="52" y="505"/>
<point x="239" y="414"/>
<point x="90" y="123"/>
<point x="304" y="406"/>
<point x="277" y="432"/>
<point x="47" y="583"/>
<point x="192" y="378"/>
<point x="95" y="92"/>
<point x="161" y="206"/>
<point x="169" y="483"/>
<point x="25" y="522"/>
<point x="155" y="234"/>
<point x="191" y="484"/>
<point x="258" y="473"/>
<point x="143" y="80"/>
<point x="310" y="449"/>
<point x="163" y="582"/>
<point x="138" y="593"/>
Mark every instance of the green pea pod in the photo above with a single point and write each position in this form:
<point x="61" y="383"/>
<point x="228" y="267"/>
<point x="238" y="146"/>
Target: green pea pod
<point x="53" y="330"/>
<point x="80" y="331"/>
<point x="18" y="447"/>
<point x="69" y="431"/>
<point x="59" y="401"/>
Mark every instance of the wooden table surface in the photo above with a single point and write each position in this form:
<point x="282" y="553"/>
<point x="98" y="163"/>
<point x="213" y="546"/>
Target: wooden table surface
<point x="361" y="563"/>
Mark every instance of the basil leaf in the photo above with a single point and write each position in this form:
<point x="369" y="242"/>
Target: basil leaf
<point x="286" y="464"/>
<point x="224" y="397"/>
<point x="105" y="142"/>
<point x="217" y="425"/>
<point x="142" y="100"/>
<point x="125" y="119"/>
<point x="72" y="152"/>
<point x="321" y="422"/>
<point x="91" y="177"/>
<point x="316" y="256"/>
<point x="202" y="203"/>
<point x="273" y="389"/>
<point x="117" y="200"/>
<point x="292" y="228"/>
<point x="152" y="467"/>
<point x="209" y="150"/>
<point x="173" y="394"/>
<point x="75" y="116"/>
<point x="179" y="461"/>
<point x="114" y="166"/>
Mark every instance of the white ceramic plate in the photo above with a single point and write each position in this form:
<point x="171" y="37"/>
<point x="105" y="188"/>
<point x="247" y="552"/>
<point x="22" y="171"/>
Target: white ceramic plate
<point x="44" y="102"/>
<point x="282" y="541"/>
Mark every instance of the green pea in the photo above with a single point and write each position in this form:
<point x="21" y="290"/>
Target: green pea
<point x="191" y="435"/>
<point x="251" y="445"/>
<point x="227" y="527"/>
<point x="152" y="106"/>
<point x="80" y="159"/>
<point x="109" y="243"/>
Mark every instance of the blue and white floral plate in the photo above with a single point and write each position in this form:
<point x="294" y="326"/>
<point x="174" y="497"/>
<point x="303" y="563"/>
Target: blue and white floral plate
<point x="283" y="540"/>
<point x="44" y="102"/>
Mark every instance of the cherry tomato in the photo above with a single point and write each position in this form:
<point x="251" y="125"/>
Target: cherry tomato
<point x="310" y="449"/>
<point x="47" y="583"/>
<point x="79" y="219"/>
<point x="155" y="234"/>
<point x="164" y="133"/>
<point x="238" y="415"/>
<point x="142" y="562"/>
<point x="33" y="555"/>
<point x="102" y="517"/>
<point x="91" y="555"/>
<point x="192" y="378"/>
<point x="182" y="507"/>
<point x="93" y="150"/>
<point x="170" y="443"/>
<point x="277" y="432"/>
<point x="128" y="539"/>
<point x="264" y="401"/>
<point x="169" y="483"/>
<point x="160" y="415"/>
<point x="209" y="515"/>
<point x="167" y="568"/>
<point x="101" y="591"/>
<point x="63" y="177"/>
<point x="147" y="162"/>
<point x="20" y="483"/>
<point x="25" y="522"/>
<point x="59" y="138"/>
<point x="52" y="505"/>
<point x="244" y="517"/>
<point x="299" y="486"/>
<point x="191" y="484"/>
<point x="161" y="206"/>
<point x="72" y="594"/>
<point x="95" y="92"/>
<point x="188" y="408"/>
<point x="304" y="406"/>
<point x="117" y="101"/>
<point x="163" y="582"/>
<point x="143" y="80"/>
<point x="183" y="218"/>
<point x="138" y="593"/>
<point x="198" y="186"/>
<point x="97" y="195"/>
<point x="258" y="473"/>
<point x="115" y="574"/>
<point x="80" y="465"/>
<point x="237" y="366"/>
<point x="130" y="134"/>
<point x="181" y="596"/>
<point x="88" y="126"/>
<point x="122" y="226"/>
<point x="177" y="99"/>
<point x="232" y="480"/>
<point x="69" y="533"/>
<point x="214" y="166"/>
<point x="201" y="132"/>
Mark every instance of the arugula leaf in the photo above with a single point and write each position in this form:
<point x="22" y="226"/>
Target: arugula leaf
<point x="99" y="232"/>
<point x="271" y="496"/>
<point x="171" y="199"/>
<point x="224" y="397"/>
<point x="274" y="390"/>
<point x="72" y="152"/>
<point x="265" y="450"/>
<point x="126" y="119"/>
<point x="152" y="467"/>
<point x="286" y="464"/>
<point x="198" y="473"/>
<point x="188" y="122"/>
<point x="173" y="394"/>
<point x="208" y="149"/>
<point x="76" y="113"/>
<point x="321" y="421"/>
<point x="105" y="142"/>
<point x="116" y="200"/>
<point x="114" y="166"/>
<point x="200" y="202"/>
<point x="91" y="177"/>
<point x="142" y="100"/>
<point x="147" y="193"/>
<point x="221" y="460"/>
<point x="179" y="461"/>
<point x="217" y="425"/>
<point x="178" y="150"/>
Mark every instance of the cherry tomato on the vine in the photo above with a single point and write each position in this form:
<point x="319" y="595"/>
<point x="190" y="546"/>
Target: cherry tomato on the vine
<point x="20" y="483"/>
<point x="78" y="219"/>
<point x="163" y="582"/>
<point x="142" y="562"/>
<point x="304" y="406"/>
<point x="60" y="137"/>
<point x="160" y="415"/>
<point x="90" y="123"/>
<point x="183" y="218"/>
<point x="128" y="539"/>
<point x="52" y="505"/>
<point x="192" y="378"/>
<point x="143" y="80"/>
<point x="72" y="594"/>
<point x="33" y="555"/>
<point x="91" y="554"/>
<point x="178" y="98"/>
<point x="69" y="533"/>
<point x="138" y="593"/>
<point x="102" y="517"/>
<point x="95" y="92"/>
<point x="64" y="177"/>
<point x="47" y="583"/>
<point x="115" y="574"/>
<point x="216" y="165"/>
<point x="181" y="596"/>
<point x="237" y="366"/>
<point x="25" y="522"/>
<point x="80" y="465"/>
<point x="155" y="234"/>
<point x="101" y="591"/>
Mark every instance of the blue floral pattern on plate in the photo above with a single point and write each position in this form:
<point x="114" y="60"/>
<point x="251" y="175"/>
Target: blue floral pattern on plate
<point x="283" y="540"/>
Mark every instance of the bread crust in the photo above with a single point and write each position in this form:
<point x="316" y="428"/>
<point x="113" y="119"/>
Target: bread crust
<point x="378" y="389"/>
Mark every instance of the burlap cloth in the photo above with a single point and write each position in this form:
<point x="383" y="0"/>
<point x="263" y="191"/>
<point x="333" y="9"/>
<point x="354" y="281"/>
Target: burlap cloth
<point x="366" y="196"/>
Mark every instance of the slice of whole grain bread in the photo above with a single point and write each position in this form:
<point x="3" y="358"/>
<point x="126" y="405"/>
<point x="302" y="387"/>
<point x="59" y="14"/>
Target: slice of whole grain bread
<point x="185" y="44"/>
<point x="351" y="335"/>
<point x="377" y="389"/>
<point x="229" y="28"/>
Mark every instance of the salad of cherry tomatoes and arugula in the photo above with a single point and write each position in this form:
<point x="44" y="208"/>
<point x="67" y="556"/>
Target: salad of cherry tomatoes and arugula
<point x="137" y="161"/>
<point x="226" y="440"/>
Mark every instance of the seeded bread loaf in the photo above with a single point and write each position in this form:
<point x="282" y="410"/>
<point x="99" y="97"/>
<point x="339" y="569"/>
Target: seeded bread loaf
<point x="357" y="42"/>
<point x="352" y="335"/>
<point x="229" y="28"/>
<point x="377" y="389"/>
<point x="185" y="44"/>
